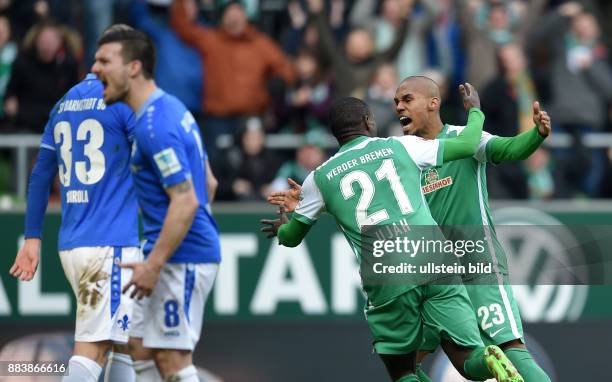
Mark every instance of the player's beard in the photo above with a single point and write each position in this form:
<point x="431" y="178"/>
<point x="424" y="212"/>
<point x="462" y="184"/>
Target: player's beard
<point x="121" y="93"/>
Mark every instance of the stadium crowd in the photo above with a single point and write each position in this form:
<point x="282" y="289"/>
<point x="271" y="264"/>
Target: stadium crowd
<point x="251" y="69"/>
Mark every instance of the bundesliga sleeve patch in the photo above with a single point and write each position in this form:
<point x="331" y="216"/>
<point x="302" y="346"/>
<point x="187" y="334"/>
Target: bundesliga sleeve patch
<point x="167" y="162"/>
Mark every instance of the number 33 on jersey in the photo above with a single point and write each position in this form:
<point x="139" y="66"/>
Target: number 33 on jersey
<point x="92" y="142"/>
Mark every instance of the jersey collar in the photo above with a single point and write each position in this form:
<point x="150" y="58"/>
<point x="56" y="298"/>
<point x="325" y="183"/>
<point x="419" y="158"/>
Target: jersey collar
<point x="443" y="131"/>
<point x="152" y="98"/>
<point x="352" y="142"/>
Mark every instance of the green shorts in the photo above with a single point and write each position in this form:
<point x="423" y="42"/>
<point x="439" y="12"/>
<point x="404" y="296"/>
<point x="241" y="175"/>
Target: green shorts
<point x="496" y="312"/>
<point x="397" y="325"/>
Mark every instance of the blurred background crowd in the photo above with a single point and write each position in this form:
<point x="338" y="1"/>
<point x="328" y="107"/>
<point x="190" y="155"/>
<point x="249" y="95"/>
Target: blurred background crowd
<point x="259" y="76"/>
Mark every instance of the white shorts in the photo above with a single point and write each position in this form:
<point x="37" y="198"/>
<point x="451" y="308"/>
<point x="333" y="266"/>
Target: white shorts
<point x="171" y="318"/>
<point x="103" y="313"/>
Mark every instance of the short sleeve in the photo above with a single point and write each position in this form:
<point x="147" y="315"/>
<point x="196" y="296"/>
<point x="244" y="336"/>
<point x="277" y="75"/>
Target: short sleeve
<point x="481" y="152"/>
<point x="424" y="152"/>
<point x="311" y="203"/>
<point x="165" y="150"/>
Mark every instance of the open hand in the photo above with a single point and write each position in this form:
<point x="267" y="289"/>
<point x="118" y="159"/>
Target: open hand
<point x="469" y="96"/>
<point x="270" y="227"/>
<point x="288" y="199"/>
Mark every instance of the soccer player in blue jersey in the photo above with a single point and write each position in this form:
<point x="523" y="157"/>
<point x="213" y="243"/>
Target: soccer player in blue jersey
<point x="89" y="142"/>
<point x="174" y="186"/>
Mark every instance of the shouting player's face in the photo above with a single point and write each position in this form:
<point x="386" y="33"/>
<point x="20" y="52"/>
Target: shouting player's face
<point x="112" y="71"/>
<point x="412" y="106"/>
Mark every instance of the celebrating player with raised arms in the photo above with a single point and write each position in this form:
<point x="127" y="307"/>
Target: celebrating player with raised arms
<point x="462" y="200"/>
<point x="174" y="186"/>
<point x="373" y="182"/>
<point x="89" y="142"/>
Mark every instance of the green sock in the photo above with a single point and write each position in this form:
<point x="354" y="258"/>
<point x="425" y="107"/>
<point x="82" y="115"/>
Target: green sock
<point x="475" y="366"/>
<point x="421" y="374"/>
<point x="526" y="365"/>
<point x="408" y="378"/>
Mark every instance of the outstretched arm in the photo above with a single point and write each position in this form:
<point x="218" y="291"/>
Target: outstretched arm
<point x="183" y="14"/>
<point x="521" y="146"/>
<point x="531" y="18"/>
<point x="400" y="34"/>
<point x="329" y="47"/>
<point x="290" y="232"/>
<point x="41" y="179"/>
<point x="465" y="145"/>
<point x="287" y="199"/>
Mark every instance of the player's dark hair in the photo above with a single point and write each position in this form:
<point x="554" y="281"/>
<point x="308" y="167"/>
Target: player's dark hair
<point x="135" y="45"/>
<point x="346" y="117"/>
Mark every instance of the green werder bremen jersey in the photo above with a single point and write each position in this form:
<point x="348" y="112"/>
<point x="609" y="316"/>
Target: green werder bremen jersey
<point x="457" y="196"/>
<point x="372" y="182"/>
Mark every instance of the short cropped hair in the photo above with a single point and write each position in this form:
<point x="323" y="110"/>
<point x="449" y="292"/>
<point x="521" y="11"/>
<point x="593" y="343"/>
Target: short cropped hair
<point x="346" y="116"/>
<point x="135" y="45"/>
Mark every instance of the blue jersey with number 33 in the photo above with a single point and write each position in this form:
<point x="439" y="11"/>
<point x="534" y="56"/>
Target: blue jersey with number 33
<point x="167" y="151"/>
<point x="92" y="142"/>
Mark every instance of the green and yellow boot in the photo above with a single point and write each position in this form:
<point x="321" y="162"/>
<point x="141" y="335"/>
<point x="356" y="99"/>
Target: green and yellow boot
<point x="500" y="366"/>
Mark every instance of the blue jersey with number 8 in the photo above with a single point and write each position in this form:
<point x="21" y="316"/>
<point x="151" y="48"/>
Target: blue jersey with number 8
<point x="92" y="142"/>
<point x="167" y="151"/>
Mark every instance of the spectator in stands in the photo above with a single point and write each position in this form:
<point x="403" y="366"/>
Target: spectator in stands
<point x="8" y="53"/>
<point x="307" y="103"/>
<point x="412" y="57"/>
<point x="446" y="40"/>
<point x="452" y="110"/>
<point x="379" y="97"/>
<point x="507" y="102"/>
<point x="250" y="167"/>
<point x="301" y="34"/>
<point x="26" y="13"/>
<point x="42" y="73"/>
<point x="307" y="158"/>
<point x="488" y="24"/>
<point x="97" y="15"/>
<point x="581" y="87"/>
<point x="178" y="68"/>
<point x="293" y="36"/>
<point x="353" y="68"/>
<point x="239" y="62"/>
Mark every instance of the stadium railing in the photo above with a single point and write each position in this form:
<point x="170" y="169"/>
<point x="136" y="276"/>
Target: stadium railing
<point x="21" y="143"/>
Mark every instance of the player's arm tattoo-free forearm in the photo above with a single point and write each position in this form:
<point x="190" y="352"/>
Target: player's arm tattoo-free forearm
<point x="211" y="183"/>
